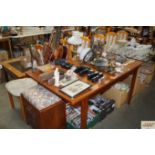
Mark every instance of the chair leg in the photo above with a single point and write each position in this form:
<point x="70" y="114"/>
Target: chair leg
<point x="11" y="101"/>
<point x="22" y="108"/>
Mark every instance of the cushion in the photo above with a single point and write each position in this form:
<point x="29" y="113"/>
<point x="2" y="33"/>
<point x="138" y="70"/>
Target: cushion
<point x="40" y="97"/>
<point x="16" y="87"/>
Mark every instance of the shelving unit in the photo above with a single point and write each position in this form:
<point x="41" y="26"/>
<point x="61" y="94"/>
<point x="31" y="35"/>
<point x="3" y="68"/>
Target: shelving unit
<point x="6" y="42"/>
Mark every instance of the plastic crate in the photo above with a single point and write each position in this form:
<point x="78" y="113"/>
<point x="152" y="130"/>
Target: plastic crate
<point x="89" y="125"/>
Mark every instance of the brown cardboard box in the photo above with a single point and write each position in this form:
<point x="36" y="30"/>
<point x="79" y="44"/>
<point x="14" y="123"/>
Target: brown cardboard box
<point x="142" y="81"/>
<point x="144" y="77"/>
<point x="146" y="73"/>
<point x="120" y="96"/>
<point x="139" y="86"/>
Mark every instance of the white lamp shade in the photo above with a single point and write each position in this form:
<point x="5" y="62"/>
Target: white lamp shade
<point x="75" y="40"/>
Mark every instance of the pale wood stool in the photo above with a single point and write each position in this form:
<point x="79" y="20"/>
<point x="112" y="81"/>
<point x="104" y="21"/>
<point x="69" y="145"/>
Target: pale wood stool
<point x="15" y="88"/>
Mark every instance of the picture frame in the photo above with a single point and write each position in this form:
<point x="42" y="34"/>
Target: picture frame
<point x="75" y="88"/>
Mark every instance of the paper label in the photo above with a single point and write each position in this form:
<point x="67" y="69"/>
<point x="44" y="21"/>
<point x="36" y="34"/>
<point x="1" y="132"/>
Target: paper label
<point x="147" y="124"/>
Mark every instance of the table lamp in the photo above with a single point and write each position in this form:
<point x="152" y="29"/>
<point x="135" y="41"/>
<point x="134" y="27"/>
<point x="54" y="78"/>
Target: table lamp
<point x="75" y="40"/>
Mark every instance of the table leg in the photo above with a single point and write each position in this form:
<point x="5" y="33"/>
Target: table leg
<point x="5" y="74"/>
<point x="132" y="85"/>
<point x="84" y="110"/>
<point x="11" y="54"/>
<point x="11" y="101"/>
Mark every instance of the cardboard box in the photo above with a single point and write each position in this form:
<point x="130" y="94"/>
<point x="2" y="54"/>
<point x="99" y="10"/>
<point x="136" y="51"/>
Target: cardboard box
<point x="139" y="86"/>
<point x="143" y="79"/>
<point x="120" y="96"/>
<point x="146" y="73"/>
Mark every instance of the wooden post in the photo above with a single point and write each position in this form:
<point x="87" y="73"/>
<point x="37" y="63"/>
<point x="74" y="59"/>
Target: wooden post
<point x="84" y="111"/>
<point x="132" y="85"/>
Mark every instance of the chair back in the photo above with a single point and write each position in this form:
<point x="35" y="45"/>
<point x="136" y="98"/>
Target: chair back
<point x="122" y="35"/>
<point x="99" y="37"/>
<point x="86" y="41"/>
<point x="111" y="39"/>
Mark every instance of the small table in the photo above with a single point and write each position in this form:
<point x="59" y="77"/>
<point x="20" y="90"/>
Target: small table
<point x="82" y="99"/>
<point x="13" y="67"/>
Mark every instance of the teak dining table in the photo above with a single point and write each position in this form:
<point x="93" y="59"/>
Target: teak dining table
<point x="130" y="68"/>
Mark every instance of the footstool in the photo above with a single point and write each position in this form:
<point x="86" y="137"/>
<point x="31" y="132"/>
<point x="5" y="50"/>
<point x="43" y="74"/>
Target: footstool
<point x="43" y="109"/>
<point x="16" y="87"/>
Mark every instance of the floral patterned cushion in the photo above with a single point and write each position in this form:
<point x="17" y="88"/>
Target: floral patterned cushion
<point x="40" y="97"/>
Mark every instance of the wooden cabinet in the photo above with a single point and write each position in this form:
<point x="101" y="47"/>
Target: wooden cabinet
<point x="52" y="117"/>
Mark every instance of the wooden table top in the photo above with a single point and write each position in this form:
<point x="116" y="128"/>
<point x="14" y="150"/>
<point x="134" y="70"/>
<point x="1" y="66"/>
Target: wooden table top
<point x="7" y="65"/>
<point x="95" y="88"/>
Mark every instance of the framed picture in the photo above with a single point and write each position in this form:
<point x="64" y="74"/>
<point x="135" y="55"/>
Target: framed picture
<point x="64" y="82"/>
<point x="75" y="88"/>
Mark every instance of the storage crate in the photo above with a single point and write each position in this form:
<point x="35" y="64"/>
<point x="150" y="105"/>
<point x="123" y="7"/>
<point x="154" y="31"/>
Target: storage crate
<point x="89" y="125"/>
<point x="97" y="111"/>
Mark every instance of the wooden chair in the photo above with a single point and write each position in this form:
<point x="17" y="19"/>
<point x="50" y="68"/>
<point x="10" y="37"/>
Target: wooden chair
<point x="100" y="37"/>
<point x="69" y="49"/>
<point x="110" y="39"/>
<point x="86" y="40"/>
<point x="39" y="46"/>
<point x="122" y="35"/>
<point x="109" y="28"/>
<point x="103" y="29"/>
